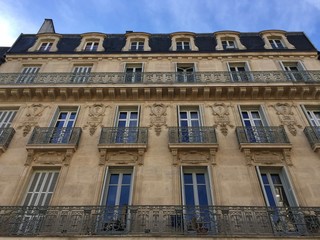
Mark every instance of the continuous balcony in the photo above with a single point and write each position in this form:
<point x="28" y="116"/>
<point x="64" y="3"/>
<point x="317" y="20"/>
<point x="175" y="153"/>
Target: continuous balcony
<point x="264" y="144"/>
<point x="313" y="136"/>
<point x="165" y="221"/>
<point x="56" y="144"/>
<point x="6" y="135"/>
<point x="161" y="85"/>
<point x="187" y="144"/>
<point x="123" y="144"/>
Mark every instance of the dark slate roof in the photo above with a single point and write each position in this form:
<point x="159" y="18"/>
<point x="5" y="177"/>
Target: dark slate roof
<point x="3" y="51"/>
<point x="160" y="43"/>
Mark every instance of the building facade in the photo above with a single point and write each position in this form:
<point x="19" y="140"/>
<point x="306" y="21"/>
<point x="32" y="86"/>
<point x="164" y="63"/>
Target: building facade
<point x="160" y="135"/>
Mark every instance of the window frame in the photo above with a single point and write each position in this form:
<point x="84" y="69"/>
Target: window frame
<point x="240" y="76"/>
<point x="46" y="48"/>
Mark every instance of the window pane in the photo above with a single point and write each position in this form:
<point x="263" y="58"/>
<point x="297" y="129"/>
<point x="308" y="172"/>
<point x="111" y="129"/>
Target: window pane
<point x="122" y="115"/>
<point x="124" y="197"/>
<point x="255" y="114"/>
<point x="195" y="123"/>
<point x="276" y="178"/>
<point x="245" y="115"/>
<point x="114" y="178"/>
<point x="183" y="115"/>
<point x="194" y="114"/>
<point x="112" y="193"/>
<point x="264" y="179"/>
<point x="187" y="178"/>
<point x="202" y="193"/>
<point x="134" y="115"/>
<point x="189" y="194"/>
<point x="63" y="115"/>
<point x="270" y="196"/>
<point x="126" y="179"/>
<point x="200" y="178"/>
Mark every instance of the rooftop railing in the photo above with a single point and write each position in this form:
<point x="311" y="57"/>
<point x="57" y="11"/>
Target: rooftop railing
<point x="215" y="221"/>
<point x="192" y="135"/>
<point x="262" y="134"/>
<point x="162" y="77"/>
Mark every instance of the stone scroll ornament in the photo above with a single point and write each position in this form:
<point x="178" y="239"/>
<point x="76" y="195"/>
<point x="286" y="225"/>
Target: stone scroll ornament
<point x="32" y="117"/>
<point x="286" y="117"/>
<point x="221" y="117"/>
<point x="96" y="114"/>
<point x="158" y="117"/>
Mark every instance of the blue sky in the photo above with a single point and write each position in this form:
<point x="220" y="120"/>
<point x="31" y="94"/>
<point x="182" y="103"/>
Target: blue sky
<point x="159" y="16"/>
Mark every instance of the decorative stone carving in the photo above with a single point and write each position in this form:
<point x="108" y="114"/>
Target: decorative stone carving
<point x="267" y="157"/>
<point x="158" y="117"/>
<point x="96" y="114"/>
<point x="193" y="156"/>
<point x="34" y="112"/>
<point x="221" y="117"/>
<point x="286" y="116"/>
<point x="49" y="157"/>
<point x="121" y="157"/>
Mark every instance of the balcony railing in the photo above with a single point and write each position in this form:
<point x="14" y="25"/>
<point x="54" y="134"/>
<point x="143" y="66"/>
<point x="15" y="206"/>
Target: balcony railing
<point x="6" y="134"/>
<point x="192" y="135"/>
<point x="262" y="135"/>
<point x="123" y="135"/>
<point x="313" y="136"/>
<point x="55" y="136"/>
<point x="213" y="221"/>
<point x="162" y="77"/>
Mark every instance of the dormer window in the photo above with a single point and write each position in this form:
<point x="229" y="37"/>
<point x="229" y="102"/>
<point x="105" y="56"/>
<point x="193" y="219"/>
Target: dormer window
<point x="137" y="46"/>
<point x="45" y="46"/>
<point x="183" y="41"/>
<point x="183" y="46"/>
<point x="91" y="42"/>
<point x="91" y="46"/>
<point x="137" y="41"/>
<point x="228" y="44"/>
<point x="275" y="39"/>
<point x="227" y="40"/>
<point x="276" y="44"/>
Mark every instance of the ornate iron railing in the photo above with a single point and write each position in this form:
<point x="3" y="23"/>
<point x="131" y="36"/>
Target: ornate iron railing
<point x="192" y="135"/>
<point x="55" y="135"/>
<point x="124" y="135"/>
<point x="159" y="220"/>
<point x="161" y="77"/>
<point x="6" y="134"/>
<point x="263" y="134"/>
<point x="313" y="135"/>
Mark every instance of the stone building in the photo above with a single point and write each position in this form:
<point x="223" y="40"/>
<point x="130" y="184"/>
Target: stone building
<point x="160" y="135"/>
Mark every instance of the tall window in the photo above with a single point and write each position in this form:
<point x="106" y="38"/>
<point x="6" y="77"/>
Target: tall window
<point x="239" y="72"/>
<point x="189" y="123"/>
<point x="91" y="46"/>
<point x="133" y="73"/>
<point x="294" y="71"/>
<point x="185" y="73"/>
<point x="81" y="74"/>
<point x="28" y="74"/>
<point x="45" y="46"/>
<point x="137" y="46"/>
<point x="6" y="118"/>
<point x="183" y="45"/>
<point x="276" y="44"/>
<point x="313" y="116"/>
<point x="63" y="126"/>
<point x="127" y="125"/>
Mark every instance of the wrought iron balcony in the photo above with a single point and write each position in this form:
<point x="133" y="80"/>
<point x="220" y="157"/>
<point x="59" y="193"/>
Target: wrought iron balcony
<point x="192" y="135"/>
<point x="262" y="135"/>
<point x="53" y="136"/>
<point x="162" y="77"/>
<point x="123" y="135"/>
<point x="6" y="134"/>
<point x="313" y="136"/>
<point x="214" y="221"/>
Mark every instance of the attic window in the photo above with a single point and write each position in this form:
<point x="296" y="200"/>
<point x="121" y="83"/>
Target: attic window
<point x="275" y="39"/>
<point x="91" y="46"/>
<point x="183" y="41"/>
<point x="91" y="42"/>
<point x="45" y="46"/>
<point x="137" y="41"/>
<point x="227" y="40"/>
<point x="46" y="42"/>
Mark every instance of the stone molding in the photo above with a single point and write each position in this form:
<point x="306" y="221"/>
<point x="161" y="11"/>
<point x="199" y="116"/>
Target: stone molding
<point x="158" y="113"/>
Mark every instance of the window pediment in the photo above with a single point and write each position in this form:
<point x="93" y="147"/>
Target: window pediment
<point x="95" y="40"/>
<point x="270" y="36"/>
<point x="183" y="41"/>
<point x="48" y="39"/>
<point x="137" y="41"/>
<point x="228" y="40"/>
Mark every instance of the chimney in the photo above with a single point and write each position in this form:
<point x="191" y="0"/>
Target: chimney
<point x="47" y="26"/>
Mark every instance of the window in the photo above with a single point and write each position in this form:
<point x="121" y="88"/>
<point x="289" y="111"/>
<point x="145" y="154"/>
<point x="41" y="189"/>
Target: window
<point x="116" y="198"/>
<point x="228" y="44"/>
<point x="137" y="46"/>
<point x="6" y="118"/>
<point x="313" y="116"/>
<point x="91" y="46"/>
<point x="185" y="73"/>
<point x="276" y="44"/>
<point x="294" y="71"/>
<point x="81" y="74"/>
<point x="63" y="124"/>
<point x="196" y="198"/>
<point x="133" y="73"/>
<point x="183" y="46"/>
<point x="189" y="124"/>
<point x="28" y="74"/>
<point x="41" y="188"/>
<point x="45" y="46"/>
<point x="127" y="125"/>
<point x="239" y="72"/>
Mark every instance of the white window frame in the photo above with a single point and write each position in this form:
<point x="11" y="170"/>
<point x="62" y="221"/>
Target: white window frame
<point x="240" y="74"/>
<point x="81" y="73"/>
<point x="185" y="45"/>
<point x="292" y="74"/>
<point x="312" y="118"/>
<point x="91" y="46"/>
<point x="276" y="43"/>
<point x="137" y="45"/>
<point x="183" y="73"/>
<point x="28" y="74"/>
<point x="137" y="77"/>
<point x="45" y="46"/>
<point x="7" y="117"/>
<point x="229" y="44"/>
